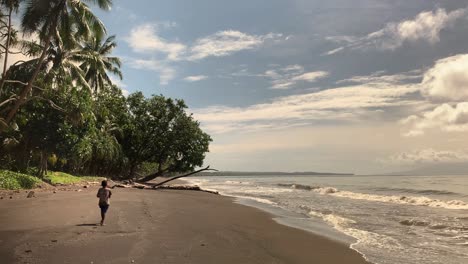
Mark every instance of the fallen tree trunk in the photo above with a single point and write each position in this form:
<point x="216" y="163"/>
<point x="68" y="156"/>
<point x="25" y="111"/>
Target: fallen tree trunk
<point x="183" y="176"/>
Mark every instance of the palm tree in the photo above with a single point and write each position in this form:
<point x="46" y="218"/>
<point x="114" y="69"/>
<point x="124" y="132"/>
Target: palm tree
<point x="97" y="62"/>
<point x="48" y="18"/>
<point x="65" y="62"/>
<point x="11" y="6"/>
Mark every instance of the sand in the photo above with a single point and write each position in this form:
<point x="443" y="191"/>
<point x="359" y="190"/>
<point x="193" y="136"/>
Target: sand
<point x="147" y="226"/>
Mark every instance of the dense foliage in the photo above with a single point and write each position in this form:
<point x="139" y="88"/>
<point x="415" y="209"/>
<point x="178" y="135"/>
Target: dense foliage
<point x="59" y="109"/>
<point x="14" y="181"/>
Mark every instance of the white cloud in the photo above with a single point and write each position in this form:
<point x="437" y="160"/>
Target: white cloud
<point x="224" y="43"/>
<point x="430" y="155"/>
<point x="311" y="76"/>
<point x="288" y="76"/>
<point x="334" y="51"/>
<point x="444" y="118"/>
<point x="448" y="79"/>
<point x="195" y="78"/>
<point x="345" y="104"/>
<point x="166" y="73"/>
<point x="125" y="92"/>
<point x="378" y="78"/>
<point x="426" y="26"/>
<point x="144" y="38"/>
<point x="445" y="82"/>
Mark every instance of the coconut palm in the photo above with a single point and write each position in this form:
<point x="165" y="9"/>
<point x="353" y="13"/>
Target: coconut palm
<point x="11" y="6"/>
<point x="72" y="18"/>
<point x="97" y="62"/>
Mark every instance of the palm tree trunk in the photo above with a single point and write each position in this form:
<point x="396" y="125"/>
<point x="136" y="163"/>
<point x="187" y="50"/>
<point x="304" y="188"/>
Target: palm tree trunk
<point x="29" y="86"/>
<point x="7" y="50"/>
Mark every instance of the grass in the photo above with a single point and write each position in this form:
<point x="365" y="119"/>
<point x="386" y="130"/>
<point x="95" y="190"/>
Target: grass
<point x="56" y="177"/>
<point x="14" y="181"/>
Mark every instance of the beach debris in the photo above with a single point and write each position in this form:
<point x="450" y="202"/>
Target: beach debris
<point x="11" y="197"/>
<point x="31" y="194"/>
<point x="54" y="191"/>
<point x="202" y="244"/>
<point x="28" y="251"/>
<point x="54" y="240"/>
<point x="133" y="261"/>
<point x="1" y="198"/>
<point x="121" y="186"/>
<point x="85" y="186"/>
<point x="79" y="190"/>
<point x="185" y="188"/>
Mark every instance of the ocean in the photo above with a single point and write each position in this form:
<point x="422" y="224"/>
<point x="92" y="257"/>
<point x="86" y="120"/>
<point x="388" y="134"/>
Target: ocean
<point x="388" y="219"/>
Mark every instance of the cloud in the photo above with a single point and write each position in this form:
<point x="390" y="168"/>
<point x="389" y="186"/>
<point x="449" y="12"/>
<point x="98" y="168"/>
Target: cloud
<point x="447" y="83"/>
<point x="195" y="78"/>
<point x="444" y="118"/>
<point x="224" y="43"/>
<point x="288" y="76"/>
<point x="426" y="156"/>
<point x="166" y="73"/>
<point x="144" y="38"/>
<point x="344" y="104"/>
<point x="448" y="79"/>
<point x="378" y="78"/>
<point x="426" y="26"/>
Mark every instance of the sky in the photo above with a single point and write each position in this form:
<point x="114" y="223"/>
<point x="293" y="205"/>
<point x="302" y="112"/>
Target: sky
<point x="362" y="86"/>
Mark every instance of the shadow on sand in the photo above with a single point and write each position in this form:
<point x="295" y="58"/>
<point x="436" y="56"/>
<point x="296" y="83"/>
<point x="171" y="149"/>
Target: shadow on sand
<point x="87" y="225"/>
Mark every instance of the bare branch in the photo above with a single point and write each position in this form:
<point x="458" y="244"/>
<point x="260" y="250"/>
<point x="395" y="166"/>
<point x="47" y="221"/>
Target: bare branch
<point x="182" y="176"/>
<point x="23" y="83"/>
<point x="7" y="101"/>
<point x="52" y="104"/>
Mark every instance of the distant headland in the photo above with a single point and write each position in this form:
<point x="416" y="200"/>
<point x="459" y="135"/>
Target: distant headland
<point x="271" y="173"/>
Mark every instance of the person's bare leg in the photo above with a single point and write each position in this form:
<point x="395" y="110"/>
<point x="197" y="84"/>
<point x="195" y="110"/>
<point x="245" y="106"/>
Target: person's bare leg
<point x="103" y="217"/>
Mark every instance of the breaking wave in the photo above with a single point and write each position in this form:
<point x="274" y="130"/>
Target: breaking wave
<point x="409" y="200"/>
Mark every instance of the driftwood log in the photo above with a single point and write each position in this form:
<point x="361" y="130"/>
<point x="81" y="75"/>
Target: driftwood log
<point x="160" y="185"/>
<point x="183" y="176"/>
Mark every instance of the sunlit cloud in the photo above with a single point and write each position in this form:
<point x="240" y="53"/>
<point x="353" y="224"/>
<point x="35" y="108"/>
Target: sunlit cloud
<point x="447" y="83"/>
<point x="195" y="78"/>
<point x="443" y="118"/>
<point x="225" y="43"/>
<point x="285" y="78"/>
<point x="426" y="27"/>
<point x="144" y="38"/>
<point x="166" y="73"/>
<point x="343" y="104"/>
<point x="448" y="79"/>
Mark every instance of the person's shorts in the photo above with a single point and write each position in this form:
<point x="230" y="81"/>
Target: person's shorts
<point x="103" y="207"/>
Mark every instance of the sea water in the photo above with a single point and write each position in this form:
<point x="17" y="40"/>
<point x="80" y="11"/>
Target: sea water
<point x="388" y="219"/>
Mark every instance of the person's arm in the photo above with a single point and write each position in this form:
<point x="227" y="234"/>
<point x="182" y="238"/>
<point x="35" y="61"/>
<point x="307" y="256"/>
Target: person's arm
<point x="97" y="195"/>
<point x="110" y="193"/>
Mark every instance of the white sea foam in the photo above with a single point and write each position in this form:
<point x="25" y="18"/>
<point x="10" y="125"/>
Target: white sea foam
<point x="410" y="200"/>
<point x="364" y="239"/>
<point x="238" y="182"/>
<point x="260" y="200"/>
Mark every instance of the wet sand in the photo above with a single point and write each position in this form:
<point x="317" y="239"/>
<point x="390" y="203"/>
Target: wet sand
<point x="147" y="226"/>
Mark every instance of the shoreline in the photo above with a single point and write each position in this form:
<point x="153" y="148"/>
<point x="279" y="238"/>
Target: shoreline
<point x="147" y="226"/>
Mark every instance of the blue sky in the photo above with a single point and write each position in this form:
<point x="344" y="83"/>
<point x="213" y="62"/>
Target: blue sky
<point x="364" y="86"/>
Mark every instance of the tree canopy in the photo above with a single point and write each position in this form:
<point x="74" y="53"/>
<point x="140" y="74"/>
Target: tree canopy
<point x="60" y="110"/>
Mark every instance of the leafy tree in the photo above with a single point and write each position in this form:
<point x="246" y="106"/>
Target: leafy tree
<point x="160" y="131"/>
<point x="72" y="18"/>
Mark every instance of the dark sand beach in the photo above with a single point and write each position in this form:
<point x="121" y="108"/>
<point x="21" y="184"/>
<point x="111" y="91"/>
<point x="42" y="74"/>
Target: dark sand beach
<point x="147" y="226"/>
